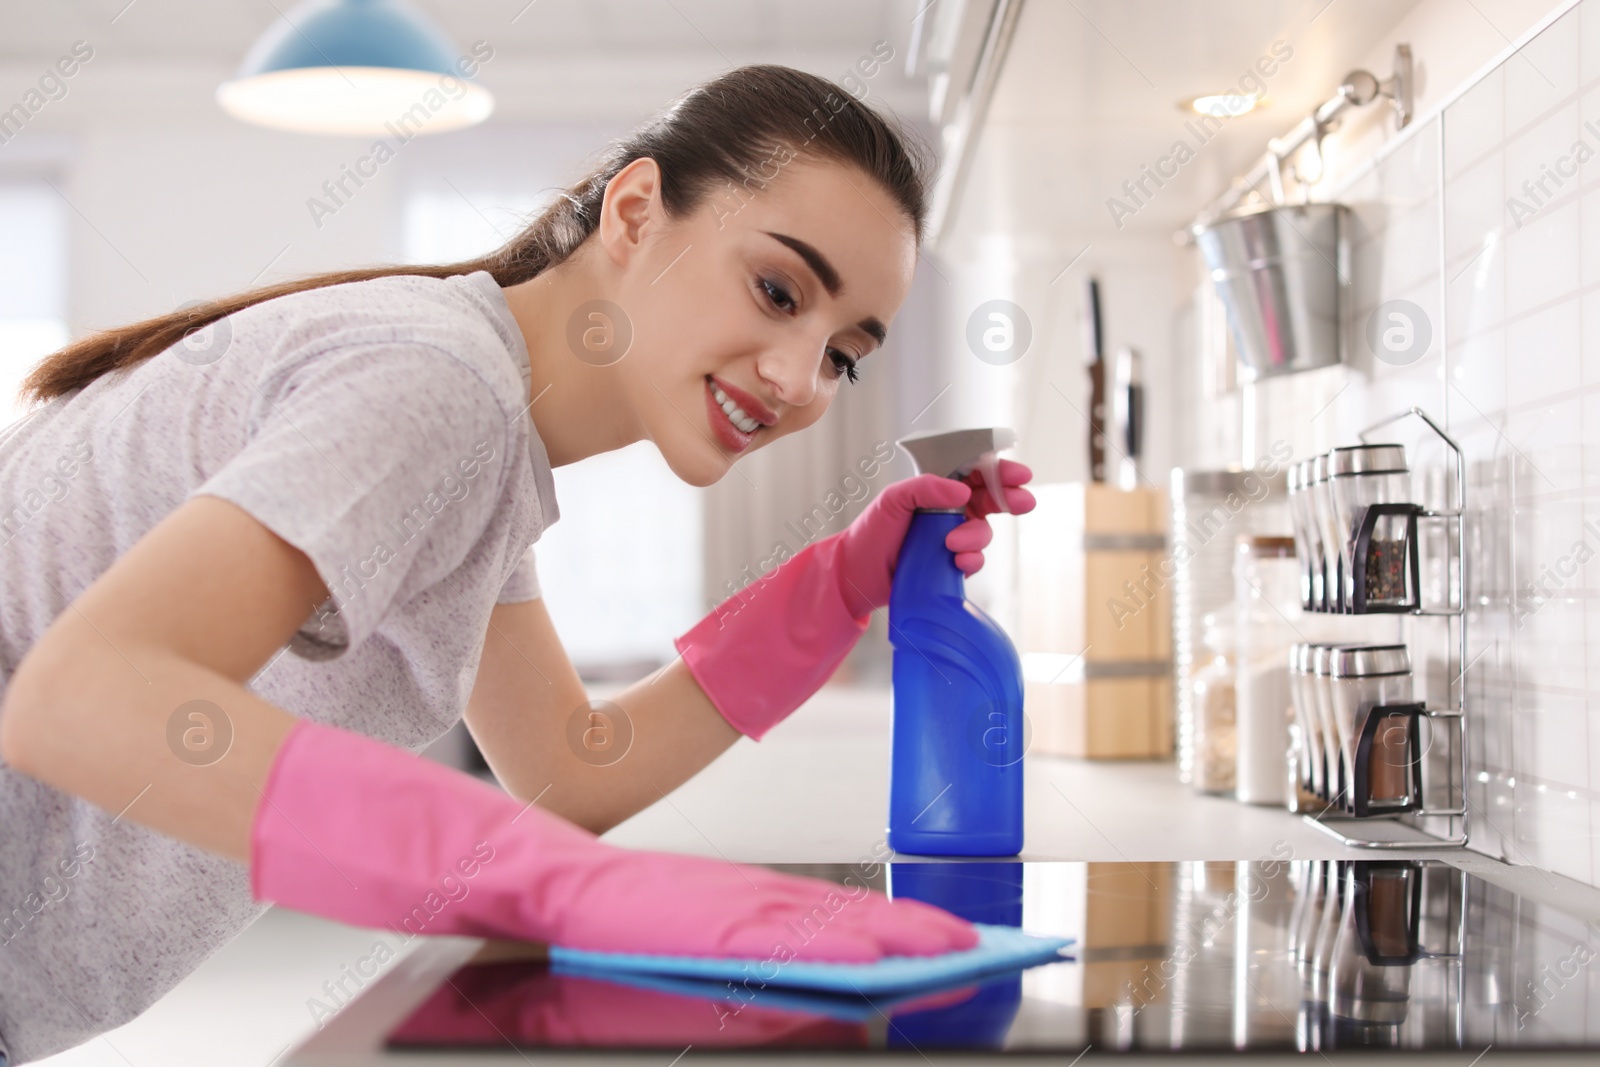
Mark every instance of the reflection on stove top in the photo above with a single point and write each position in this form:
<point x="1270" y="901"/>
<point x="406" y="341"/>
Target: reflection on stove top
<point x="1277" y="955"/>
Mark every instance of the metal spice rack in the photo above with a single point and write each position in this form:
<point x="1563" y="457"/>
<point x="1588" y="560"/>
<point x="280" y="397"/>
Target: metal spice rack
<point x="1457" y="710"/>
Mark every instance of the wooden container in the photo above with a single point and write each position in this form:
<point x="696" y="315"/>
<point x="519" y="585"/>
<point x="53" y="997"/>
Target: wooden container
<point x="1127" y="934"/>
<point x="1095" y="628"/>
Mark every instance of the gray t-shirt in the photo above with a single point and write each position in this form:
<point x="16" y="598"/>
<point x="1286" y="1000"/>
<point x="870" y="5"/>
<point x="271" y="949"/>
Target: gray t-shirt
<point x="382" y="428"/>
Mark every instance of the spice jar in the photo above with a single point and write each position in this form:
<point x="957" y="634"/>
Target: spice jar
<point x="1311" y="759"/>
<point x="1325" y="527"/>
<point x="1374" y="479"/>
<point x="1296" y="797"/>
<point x="1336" y="773"/>
<point x="1369" y="978"/>
<point x="1306" y="545"/>
<point x="1214" y="698"/>
<point x="1370" y="689"/>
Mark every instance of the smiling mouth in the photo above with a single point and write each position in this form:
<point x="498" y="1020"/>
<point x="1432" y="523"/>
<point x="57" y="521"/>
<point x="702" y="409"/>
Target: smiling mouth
<point x="733" y="427"/>
<point x="742" y="420"/>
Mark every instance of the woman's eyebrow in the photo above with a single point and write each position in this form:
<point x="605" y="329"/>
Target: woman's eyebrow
<point x="828" y="276"/>
<point x="815" y="260"/>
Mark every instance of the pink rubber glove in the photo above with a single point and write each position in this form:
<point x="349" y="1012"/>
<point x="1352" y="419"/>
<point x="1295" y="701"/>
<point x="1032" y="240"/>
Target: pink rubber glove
<point x="875" y="537"/>
<point x="762" y="652"/>
<point x="358" y="831"/>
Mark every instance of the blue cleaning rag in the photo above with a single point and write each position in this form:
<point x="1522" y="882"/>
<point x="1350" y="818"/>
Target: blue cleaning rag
<point x="842" y="1008"/>
<point x="999" y="948"/>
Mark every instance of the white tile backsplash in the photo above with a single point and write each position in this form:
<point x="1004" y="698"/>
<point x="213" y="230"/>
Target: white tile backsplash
<point x="1542" y="353"/>
<point x="1544" y="73"/>
<point x="1535" y="716"/>
<point x="1477" y="369"/>
<point x="1470" y="219"/>
<point x="1474" y="286"/>
<point x="1589" y="338"/>
<point x="1478" y="129"/>
<point x="1552" y="828"/>
<point x="1514" y="298"/>
<point x="1534" y="163"/>
<point x="1553" y="431"/>
<point x="1542" y="255"/>
<point x="1550" y="736"/>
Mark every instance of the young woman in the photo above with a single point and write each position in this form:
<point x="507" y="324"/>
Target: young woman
<point x="262" y="551"/>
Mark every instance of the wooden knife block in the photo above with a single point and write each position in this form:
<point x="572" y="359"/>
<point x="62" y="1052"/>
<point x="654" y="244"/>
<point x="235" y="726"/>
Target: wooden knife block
<point x="1095" y="630"/>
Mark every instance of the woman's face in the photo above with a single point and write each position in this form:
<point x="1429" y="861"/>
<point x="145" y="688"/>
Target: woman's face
<point x="761" y="299"/>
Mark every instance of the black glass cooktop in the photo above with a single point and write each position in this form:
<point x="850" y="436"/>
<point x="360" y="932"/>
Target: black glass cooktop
<point x="1209" y="957"/>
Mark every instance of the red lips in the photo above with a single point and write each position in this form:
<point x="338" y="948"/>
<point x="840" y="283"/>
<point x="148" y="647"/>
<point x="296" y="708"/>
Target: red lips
<point x="732" y="438"/>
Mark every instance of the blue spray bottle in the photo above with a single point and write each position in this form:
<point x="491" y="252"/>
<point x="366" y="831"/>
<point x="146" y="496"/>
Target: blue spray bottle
<point x="955" y="772"/>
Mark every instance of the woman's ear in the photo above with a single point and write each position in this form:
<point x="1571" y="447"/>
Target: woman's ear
<point x="631" y="210"/>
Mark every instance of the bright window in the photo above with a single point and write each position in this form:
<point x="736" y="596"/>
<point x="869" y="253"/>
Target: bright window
<point x="33" y="283"/>
<point x="621" y="569"/>
<point x="444" y="226"/>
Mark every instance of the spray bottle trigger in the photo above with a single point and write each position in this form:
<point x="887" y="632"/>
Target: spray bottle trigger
<point x="989" y="466"/>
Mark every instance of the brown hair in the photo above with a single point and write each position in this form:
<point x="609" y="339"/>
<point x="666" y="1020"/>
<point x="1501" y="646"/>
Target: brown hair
<point x="735" y="131"/>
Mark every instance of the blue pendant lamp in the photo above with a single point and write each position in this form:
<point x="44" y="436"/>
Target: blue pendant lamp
<point x="356" y="67"/>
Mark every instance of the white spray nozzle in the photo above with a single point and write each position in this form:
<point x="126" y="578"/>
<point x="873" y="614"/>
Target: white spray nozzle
<point x="989" y="466"/>
<point x="956" y="453"/>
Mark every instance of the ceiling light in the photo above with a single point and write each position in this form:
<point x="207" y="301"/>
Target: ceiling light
<point x="356" y="67"/>
<point x="1225" y="105"/>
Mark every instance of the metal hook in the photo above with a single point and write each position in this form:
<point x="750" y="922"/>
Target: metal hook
<point x="1360" y="87"/>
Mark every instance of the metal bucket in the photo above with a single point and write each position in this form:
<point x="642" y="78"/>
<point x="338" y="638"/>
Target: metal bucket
<point x="1282" y="275"/>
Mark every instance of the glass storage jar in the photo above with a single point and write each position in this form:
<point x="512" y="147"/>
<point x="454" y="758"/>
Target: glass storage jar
<point x="1214" y="701"/>
<point x="1266" y="595"/>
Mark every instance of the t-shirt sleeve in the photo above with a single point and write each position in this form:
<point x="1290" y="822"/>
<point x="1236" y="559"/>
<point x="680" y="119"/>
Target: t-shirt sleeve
<point x="523" y="582"/>
<point x="382" y="464"/>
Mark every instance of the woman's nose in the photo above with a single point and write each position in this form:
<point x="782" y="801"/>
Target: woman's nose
<point x="792" y="373"/>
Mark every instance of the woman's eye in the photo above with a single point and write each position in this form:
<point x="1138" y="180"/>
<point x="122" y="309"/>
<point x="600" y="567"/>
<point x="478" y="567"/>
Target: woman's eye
<point x="778" y="295"/>
<point x="843" y="364"/>
<point x="780" y="298"/>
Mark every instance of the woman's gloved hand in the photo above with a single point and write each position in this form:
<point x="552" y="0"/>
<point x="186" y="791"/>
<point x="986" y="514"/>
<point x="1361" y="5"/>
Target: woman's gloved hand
<point x="765" y="649"/>
<point x="872" y="542"/>
<point x="358" y="831"/>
